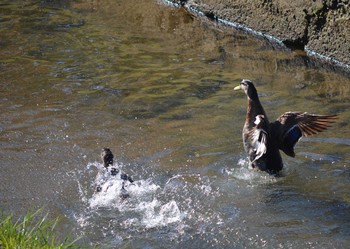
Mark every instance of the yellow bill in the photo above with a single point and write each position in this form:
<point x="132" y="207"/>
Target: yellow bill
<point x="237" y="88"/>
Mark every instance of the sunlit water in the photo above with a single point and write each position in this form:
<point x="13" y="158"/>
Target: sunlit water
<point x="155" y="84"/>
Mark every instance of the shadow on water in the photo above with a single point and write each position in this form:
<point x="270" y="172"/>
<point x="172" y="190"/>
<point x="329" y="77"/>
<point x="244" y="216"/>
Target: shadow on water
<point x="155" y="84"/>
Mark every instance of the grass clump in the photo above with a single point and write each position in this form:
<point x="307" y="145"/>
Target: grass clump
<point x="31" y="232"/>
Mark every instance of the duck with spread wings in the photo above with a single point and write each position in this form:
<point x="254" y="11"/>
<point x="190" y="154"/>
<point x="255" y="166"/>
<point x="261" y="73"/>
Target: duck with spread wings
<point x="263" y="140"/>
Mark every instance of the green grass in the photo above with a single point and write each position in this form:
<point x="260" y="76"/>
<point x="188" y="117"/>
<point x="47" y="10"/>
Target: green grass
<point x="31" y="232"/>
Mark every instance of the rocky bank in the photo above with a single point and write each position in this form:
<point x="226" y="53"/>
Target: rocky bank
<point x="320" y="27"/>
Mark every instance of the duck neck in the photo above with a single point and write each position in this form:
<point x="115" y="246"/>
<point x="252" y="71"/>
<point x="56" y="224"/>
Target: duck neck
<point x="254" y="108"/>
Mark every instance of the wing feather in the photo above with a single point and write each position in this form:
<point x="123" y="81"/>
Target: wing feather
<point x="291" y="126"/>
<point x="258" y="138"/>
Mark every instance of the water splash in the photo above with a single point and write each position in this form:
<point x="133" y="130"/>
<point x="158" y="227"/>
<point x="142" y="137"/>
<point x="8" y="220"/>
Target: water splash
<point x="142" y="209"/>
<point x="246" y="173"/>
<point x="157" y="214"/>
<point x="182" y="207"/>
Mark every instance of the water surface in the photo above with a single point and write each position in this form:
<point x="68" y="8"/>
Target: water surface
<point x="155" y="84"/>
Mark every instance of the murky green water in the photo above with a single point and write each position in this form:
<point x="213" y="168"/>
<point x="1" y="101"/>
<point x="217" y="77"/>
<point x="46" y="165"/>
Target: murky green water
<point x="155" y="84"/>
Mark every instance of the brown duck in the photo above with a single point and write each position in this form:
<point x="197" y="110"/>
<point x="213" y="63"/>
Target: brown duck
<point x="262" y="140"/>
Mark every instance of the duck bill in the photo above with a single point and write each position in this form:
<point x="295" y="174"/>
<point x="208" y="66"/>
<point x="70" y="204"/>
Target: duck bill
<point x="237" y="88"/>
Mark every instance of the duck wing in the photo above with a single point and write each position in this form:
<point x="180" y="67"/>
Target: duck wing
<point x="259" y="142"/>
<point x="291" y="126"/>
<point x="258" y="138"/>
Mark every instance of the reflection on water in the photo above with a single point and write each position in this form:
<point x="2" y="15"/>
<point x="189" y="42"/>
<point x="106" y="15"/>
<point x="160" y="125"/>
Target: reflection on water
<point x="155" y="84"/>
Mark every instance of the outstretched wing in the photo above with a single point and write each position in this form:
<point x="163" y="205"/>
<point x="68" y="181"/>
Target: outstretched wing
<point x="291" y="126"/>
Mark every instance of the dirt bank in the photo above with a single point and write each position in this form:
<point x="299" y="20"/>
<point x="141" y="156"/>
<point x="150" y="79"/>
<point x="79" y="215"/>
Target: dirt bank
<point x="318" y="26"/>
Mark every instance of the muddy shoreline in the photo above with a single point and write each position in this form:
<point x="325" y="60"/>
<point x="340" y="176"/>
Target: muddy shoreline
<point x="321" y="28"/>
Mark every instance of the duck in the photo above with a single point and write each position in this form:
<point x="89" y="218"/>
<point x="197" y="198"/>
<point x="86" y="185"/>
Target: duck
<point x="263" y="140"/>
<point x="107" y="157"/>
<point x="108" y="160"/>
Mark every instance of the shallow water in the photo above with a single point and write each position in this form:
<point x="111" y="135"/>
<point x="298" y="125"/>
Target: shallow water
<point x="155" y="84"/>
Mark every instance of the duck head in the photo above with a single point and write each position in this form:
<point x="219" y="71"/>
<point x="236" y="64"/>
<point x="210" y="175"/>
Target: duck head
<point x="248" y="87"/>
<point x="107" y="157"/>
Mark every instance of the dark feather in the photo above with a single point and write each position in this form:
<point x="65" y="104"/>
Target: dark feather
<point x="294" y="125"/>
<point x="258" y="138"/>
<point x="263" y="140"/>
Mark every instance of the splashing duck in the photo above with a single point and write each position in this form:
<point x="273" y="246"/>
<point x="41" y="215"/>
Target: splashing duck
<point x="107" y="158"/>
<point x="263" y="140"/>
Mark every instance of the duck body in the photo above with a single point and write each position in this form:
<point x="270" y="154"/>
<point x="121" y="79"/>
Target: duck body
<point x="257" y="133"/>
<point x="111" y="171"/>
<point x="263" y="140"/>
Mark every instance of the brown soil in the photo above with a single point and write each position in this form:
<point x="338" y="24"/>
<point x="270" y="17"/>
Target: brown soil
<point x="318" y="26"/>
